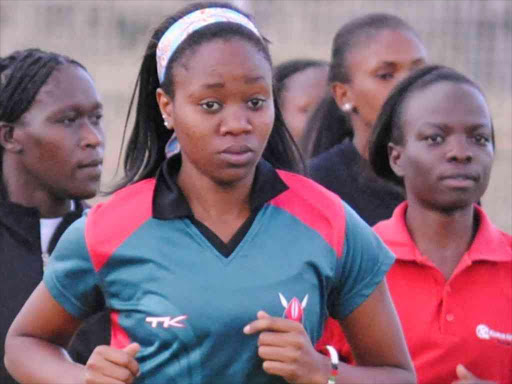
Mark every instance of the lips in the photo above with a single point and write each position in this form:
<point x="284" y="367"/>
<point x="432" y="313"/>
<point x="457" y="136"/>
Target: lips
<point x="461" y="176"/>
<point x="460" y="180"/>
<point x="237" y="154"/>
<point x="91" y="164"/>
<point x="91" y="169"/>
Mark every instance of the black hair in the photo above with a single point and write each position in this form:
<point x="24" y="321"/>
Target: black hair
<point x="22" y="74"/>
<point x="388" y="127"/>
<point x="329" y="117"/>
<point x="145" y="150"/>
<point x="289" y="68"/>
<point x="327" y="126"/>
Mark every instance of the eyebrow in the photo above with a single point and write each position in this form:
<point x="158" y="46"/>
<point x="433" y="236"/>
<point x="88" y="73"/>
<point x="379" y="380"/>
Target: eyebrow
<point x="473" y="127"/>
<point x="78" y="108"/>
<point x="417" y="61"/>
<point x="248" y="80"/>
<point x="253" y="79"/>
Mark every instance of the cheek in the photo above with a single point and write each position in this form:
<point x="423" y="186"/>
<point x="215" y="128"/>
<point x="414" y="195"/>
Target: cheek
<point x="487" y="162"/>
<point x="49" y="151"/>
<point x="266" y="124"/>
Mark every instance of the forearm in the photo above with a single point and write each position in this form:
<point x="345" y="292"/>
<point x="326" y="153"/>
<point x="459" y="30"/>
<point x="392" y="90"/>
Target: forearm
<point x="348" y="374"/>
<point x="35" y="361"/>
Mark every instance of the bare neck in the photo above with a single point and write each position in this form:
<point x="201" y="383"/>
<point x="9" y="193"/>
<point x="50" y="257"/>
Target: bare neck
<point x="223" y="208"/>
<point x="24" y="190"/>
<point x="442" y="237"/>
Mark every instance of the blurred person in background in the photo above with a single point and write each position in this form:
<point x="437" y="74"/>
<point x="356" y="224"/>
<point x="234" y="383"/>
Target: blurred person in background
<point x="451" y="283"/>
<point x="51" y="154"/>
<point x="300" y="84"/>
<point x="370" y="55"/>
<point x="216" y="266"/>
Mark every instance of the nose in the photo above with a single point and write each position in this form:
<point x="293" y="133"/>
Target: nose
<point x="459" y="150"/>
<point x="91" y="135"/>
<point x="235" y="121"/>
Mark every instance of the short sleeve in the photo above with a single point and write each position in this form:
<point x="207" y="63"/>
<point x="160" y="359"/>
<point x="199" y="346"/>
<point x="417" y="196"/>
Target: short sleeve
<point x="70" y="277"/>
<point x="364" y="263"/>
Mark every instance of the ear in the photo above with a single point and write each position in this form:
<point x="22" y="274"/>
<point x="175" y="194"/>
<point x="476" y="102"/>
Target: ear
<point x="395" y="159"/>
<point x="166" y="106"/>
<point x="340" y="93"/>
<point x="8" y="139"/>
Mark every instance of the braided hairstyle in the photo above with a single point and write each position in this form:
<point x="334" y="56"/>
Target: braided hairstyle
<point x="145" y="150"/>
<point x="22" y="74"/>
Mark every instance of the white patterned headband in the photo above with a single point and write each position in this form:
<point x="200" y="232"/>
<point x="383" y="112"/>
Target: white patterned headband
<point x="181" y="29"/>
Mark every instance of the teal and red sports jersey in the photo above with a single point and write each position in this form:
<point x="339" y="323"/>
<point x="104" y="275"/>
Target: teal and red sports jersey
<point x="466" y="319"/>
<point x="305" y="255"/>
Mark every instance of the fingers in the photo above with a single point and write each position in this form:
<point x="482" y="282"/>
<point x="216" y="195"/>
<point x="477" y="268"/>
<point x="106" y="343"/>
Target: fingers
<point x="465" y="376"/>
<point x="282" y="354"/>
<point x="132" y="349"/>
<point x="110" y="365"/>
<point x="269" y="323"/>
<point x="284" y="370"/>
<point x="463" y="373"/>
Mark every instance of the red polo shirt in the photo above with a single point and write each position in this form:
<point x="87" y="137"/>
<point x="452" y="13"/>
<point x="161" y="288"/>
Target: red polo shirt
<point x="467" y="319"/>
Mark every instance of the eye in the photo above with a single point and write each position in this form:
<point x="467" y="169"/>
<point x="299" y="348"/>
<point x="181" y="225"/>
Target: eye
<point x="481" y="139"/>
<point x="210" y="106"/>
<point x="434" y="139"/>
<point x="96" y="118"/>
<point x="256" y="103"/>
<point x="385" y="76"/>
<point x="68" y="120"/>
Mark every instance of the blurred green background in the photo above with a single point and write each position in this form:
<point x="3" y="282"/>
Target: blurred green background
<point x="109" y="38"/>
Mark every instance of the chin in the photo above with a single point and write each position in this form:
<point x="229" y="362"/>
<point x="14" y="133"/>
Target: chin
<point x="84" y="193"/>
<point x="232" y="177"/>
<point x="452" y="206"/>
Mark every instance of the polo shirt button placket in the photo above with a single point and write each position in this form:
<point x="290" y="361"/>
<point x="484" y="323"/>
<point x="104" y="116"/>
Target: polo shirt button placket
<point x="450" y="317"/>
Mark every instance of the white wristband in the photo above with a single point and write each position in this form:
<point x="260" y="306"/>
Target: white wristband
<point x="333" y="354"/>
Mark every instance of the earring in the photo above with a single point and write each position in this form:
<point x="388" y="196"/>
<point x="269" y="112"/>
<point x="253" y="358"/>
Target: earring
<point x="347" y="107"/>
<point x="165" y="122"/>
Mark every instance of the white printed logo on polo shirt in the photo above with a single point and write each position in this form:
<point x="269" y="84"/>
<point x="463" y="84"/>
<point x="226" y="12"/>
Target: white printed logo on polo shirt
<point x="483" y="332"/>
<point x="167" y="321"/>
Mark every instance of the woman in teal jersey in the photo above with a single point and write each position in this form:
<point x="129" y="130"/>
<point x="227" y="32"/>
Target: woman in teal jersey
<point x="215" y="266"/>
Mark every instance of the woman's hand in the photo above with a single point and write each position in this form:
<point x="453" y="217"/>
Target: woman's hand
<point x="108" y="365"/>
<point x="287" y="351"/>
<point x="466" y="377"/>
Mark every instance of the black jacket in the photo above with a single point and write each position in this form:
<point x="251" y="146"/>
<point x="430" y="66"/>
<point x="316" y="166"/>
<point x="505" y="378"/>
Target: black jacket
<point x="343" y="171"/>
<point x="21" y="270"/>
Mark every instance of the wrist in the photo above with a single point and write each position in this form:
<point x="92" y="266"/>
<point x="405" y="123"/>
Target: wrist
<point x="333" y="361"/>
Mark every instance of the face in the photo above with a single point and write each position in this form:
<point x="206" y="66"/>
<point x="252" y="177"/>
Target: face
<point x="223" y="109"/>
<point x="61" y="136"/>
<point x="302" y="93"/>
<point x="447" y="154"/>
<point x="375" y="65"/>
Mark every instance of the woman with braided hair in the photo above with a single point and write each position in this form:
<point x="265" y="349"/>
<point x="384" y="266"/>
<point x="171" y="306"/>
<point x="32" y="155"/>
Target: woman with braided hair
<point x="51" y="153"/>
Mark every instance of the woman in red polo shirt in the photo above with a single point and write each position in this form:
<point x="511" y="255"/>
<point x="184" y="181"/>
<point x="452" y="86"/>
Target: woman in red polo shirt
<point x="451" y="283"/>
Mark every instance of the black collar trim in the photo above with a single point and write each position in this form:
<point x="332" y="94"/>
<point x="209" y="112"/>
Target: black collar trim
<point x="169" y="202"/>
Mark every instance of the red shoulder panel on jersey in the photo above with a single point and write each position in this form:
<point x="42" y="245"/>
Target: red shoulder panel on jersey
<point x="109" y="224"/>
<point x="315" y="206"/>
<point x="119" y="339"/>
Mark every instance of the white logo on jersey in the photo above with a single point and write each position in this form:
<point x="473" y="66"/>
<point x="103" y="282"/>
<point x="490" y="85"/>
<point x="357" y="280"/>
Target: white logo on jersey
<point x="485" y="333"/>
<point x="167" y="321"/>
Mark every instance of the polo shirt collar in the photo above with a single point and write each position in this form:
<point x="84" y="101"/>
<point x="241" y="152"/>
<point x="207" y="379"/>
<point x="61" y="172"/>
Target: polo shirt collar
<point x="169" y="202"/>
<point x="489" y="243"/>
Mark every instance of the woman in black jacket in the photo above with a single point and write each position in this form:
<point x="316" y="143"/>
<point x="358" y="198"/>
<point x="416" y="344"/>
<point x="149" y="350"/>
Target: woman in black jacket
<point x="51" y="154"/>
